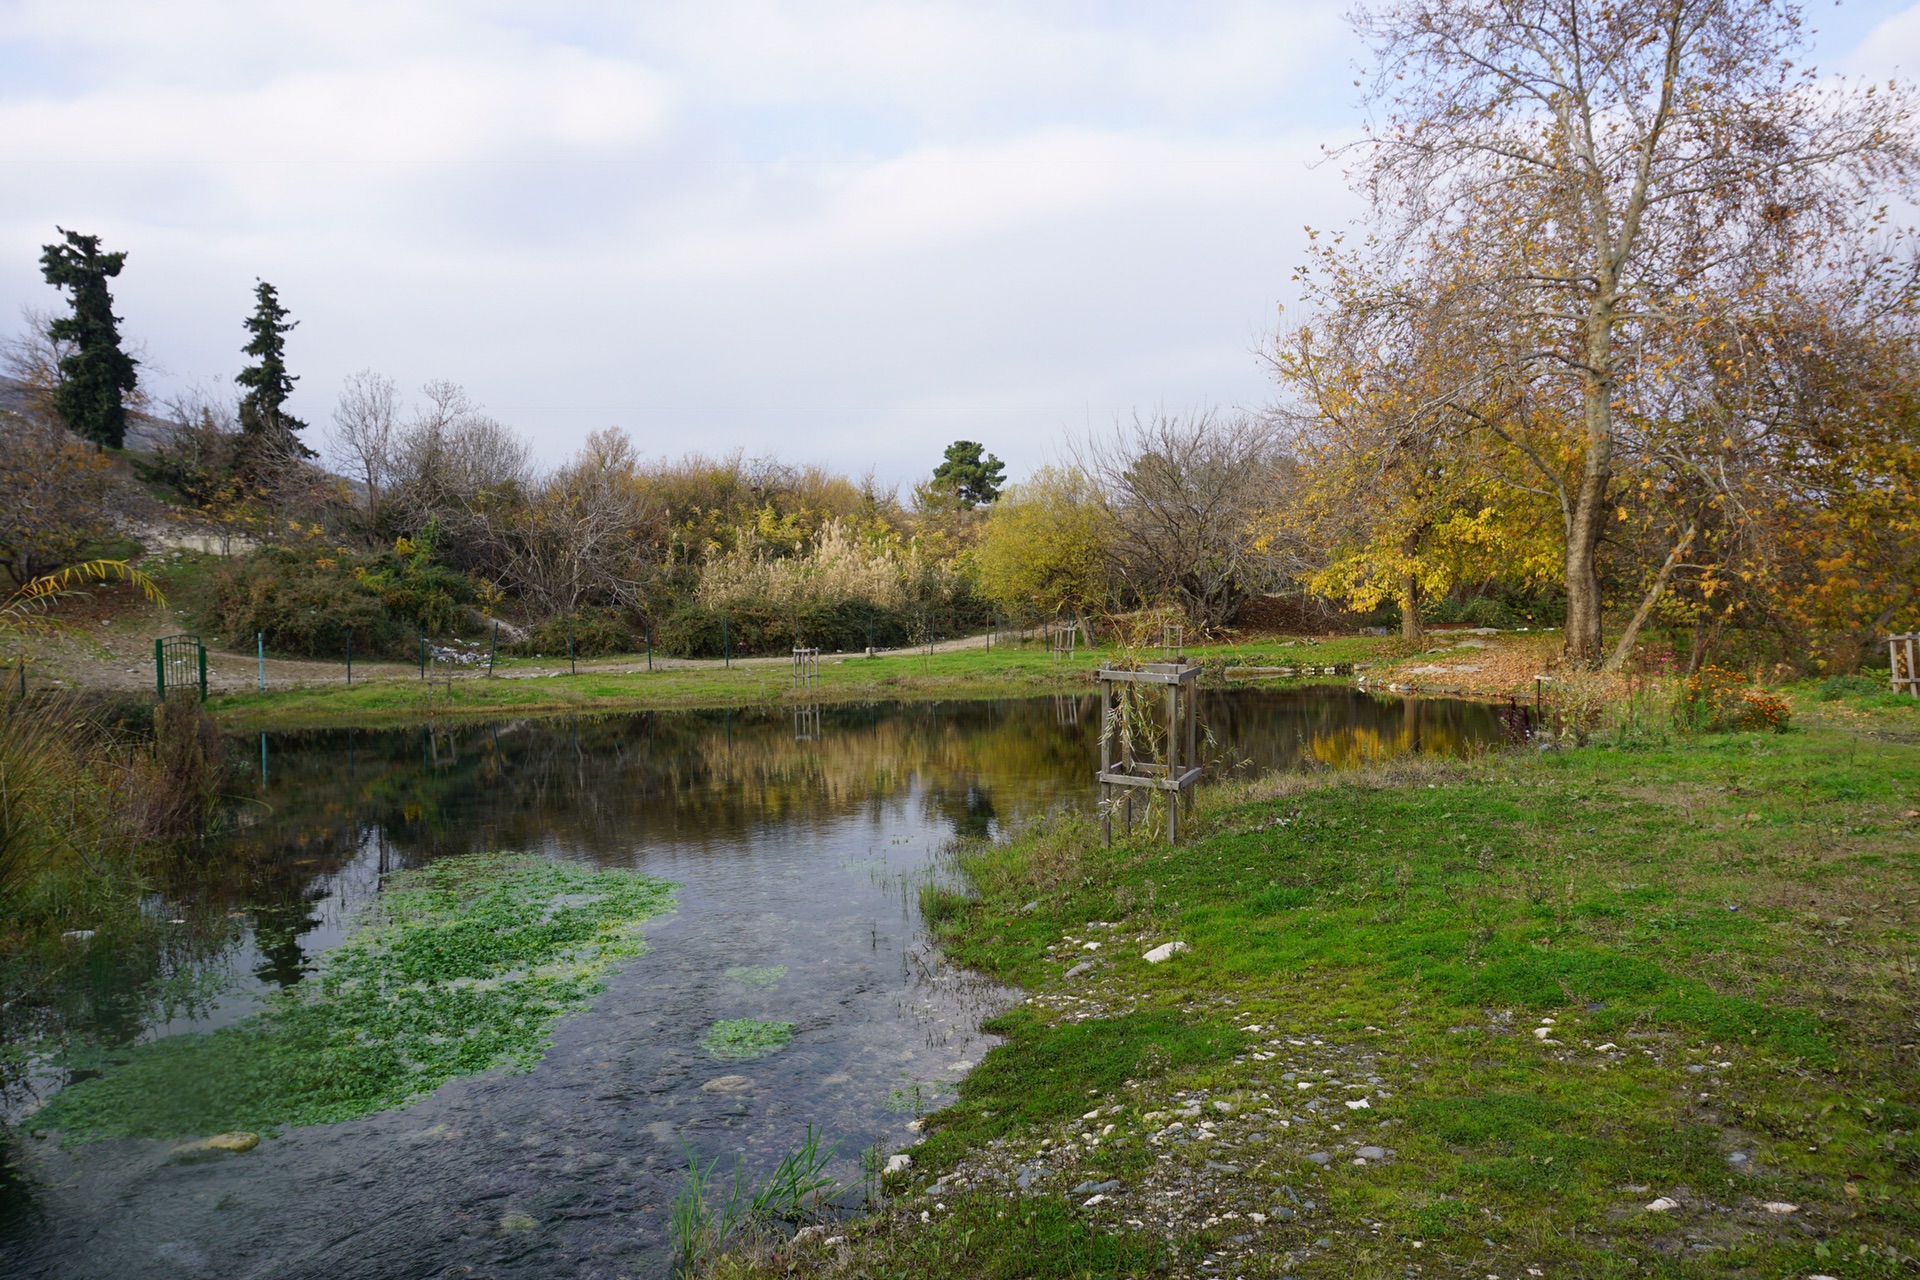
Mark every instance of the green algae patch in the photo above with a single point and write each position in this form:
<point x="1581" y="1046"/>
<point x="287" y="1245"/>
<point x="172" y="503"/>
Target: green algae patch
<point x="458" y="967"/>
<point x="736" y="1039"/>
<point x="756" y="977"/>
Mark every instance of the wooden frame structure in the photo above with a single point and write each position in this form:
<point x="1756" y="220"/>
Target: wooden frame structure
<point x="806" y="666"/>
<point x="1122" y="767"/>
<point x="1062" y="637"/>
<point x="1903" y="661"/>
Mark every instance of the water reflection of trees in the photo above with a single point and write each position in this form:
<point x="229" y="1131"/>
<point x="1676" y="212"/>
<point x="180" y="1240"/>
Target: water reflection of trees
<point x="603" y="787"/>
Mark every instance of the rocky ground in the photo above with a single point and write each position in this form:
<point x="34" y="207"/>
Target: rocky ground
<point x="1266" y="1166"/>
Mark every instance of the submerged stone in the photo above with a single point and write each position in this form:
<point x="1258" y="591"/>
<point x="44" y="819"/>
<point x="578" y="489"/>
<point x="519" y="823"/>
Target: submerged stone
<point x="236" y="1141"/>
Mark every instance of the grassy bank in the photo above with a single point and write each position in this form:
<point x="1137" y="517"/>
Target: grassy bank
<point x="527" y="687"/>
<point x="1637" y="1009"/>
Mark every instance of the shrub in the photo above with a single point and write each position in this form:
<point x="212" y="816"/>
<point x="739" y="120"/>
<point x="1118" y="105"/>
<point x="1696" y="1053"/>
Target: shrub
<point x="1715" y="700"/>
<point x="698" y="631"/>
<point x="596" y="633"/>
<point x="1834" y="688"/>
<point x="298" y="606"/>
<point x="309" y="604"/>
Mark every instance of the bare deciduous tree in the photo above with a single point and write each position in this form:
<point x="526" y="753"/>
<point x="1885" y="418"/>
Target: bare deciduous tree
<point x="365" y="420"/>
<point x="585" y="533"/>
<point x="1184" y="494"/>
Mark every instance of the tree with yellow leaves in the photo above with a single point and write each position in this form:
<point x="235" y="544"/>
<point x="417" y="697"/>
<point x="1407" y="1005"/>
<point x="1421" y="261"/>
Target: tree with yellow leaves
<point x="1579" y="188"/>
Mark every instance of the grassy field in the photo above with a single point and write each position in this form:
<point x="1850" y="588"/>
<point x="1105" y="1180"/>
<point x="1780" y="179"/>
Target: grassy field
<point x="529" y="686"/>
<point x="1643" y="1008"/>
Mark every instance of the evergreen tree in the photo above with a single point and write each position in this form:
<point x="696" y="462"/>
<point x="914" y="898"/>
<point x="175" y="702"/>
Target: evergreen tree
<point x="975" y="479"/>
<point x="266" y="428"/>
<point x="96" y="377"/>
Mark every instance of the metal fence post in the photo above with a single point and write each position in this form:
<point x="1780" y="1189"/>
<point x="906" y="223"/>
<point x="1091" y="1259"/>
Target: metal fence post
<point x="203" y="669"/>
<point x="160" y="670"/>
<point x="573" y="664"/>
<point x="423" y="653"/>
<point x="260" y="650"/>
<point x="493" y="642"/>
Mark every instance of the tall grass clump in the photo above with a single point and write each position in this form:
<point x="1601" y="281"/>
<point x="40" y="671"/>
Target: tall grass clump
<point x="844" y="591"/>
<point x="711" y="1214"/>
<point x="88" y="813"/>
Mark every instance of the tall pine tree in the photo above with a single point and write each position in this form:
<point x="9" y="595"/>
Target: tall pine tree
<point x="97" y="375"/>
<point x="975" y="478"/>
<point x="267" y="431"/>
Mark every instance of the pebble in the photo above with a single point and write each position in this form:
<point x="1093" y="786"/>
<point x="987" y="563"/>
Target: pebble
<point x="1372" y="1153"/>
<point x="1096" y="1188"/>
<point x="1085" y="966"/>
<point x="1662" y="1205"/>
<point x="1738" y="1157"/>
<point x="1282" y="1214"/>
<point x="899" y="1162"/>
<point x="1322" y="1158"/>
<point x="77" y="935"/>
<point x="1780" y="1206"/>
<point x="1024" y="1180"/>
<point x="1165" y="951"/>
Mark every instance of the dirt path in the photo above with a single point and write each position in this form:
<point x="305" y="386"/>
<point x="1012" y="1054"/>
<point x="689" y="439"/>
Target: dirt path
<point x="124" y="625"/>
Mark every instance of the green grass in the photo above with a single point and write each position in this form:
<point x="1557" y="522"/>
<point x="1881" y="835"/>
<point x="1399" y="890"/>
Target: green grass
<point x="1048" y="1071"/>
<point x="459" y="967"/>
<point x="1004" y="671"/>
<point x="1720" y="930"/>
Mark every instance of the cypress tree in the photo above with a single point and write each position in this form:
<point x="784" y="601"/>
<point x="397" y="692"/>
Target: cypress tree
<point x="97" y="375"/>
<point x="266" y="428"/>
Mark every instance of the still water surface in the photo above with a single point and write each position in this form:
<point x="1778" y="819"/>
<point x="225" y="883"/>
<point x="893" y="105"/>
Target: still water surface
<point x="798" y="839"/>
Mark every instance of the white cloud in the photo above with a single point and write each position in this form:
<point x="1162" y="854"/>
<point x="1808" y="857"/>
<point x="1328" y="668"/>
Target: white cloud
<point x="849" y="231"/>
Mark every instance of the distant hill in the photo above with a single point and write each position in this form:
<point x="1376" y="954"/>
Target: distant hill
<point x="144" y="431"/>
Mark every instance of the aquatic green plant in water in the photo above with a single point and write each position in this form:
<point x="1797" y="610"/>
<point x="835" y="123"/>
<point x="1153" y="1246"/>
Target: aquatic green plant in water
<point x="458" y="967"/>
<point x="757" y="977"/>
<point x="740" y="1038"/>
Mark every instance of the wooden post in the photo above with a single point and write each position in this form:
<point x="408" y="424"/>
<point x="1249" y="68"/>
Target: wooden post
<point x="1903" y="662"/>
<point x="1106" y="762"/>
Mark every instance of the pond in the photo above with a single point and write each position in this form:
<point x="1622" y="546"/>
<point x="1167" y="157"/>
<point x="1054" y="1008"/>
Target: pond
<point x="797" y="839"/>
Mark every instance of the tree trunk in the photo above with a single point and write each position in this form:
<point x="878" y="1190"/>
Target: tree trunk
<point x="1588" y="520"/>
<point x="1624" y="649"/>
<point x="1411" y="628"/>
<point x="1704" y="639"/>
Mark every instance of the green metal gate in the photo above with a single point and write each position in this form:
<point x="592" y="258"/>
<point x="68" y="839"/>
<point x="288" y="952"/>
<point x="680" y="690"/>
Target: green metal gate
<point x="180" y="662"/>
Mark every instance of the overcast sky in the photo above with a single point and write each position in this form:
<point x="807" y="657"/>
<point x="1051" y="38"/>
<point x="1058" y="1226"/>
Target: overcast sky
<point x="846" y="233"/>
